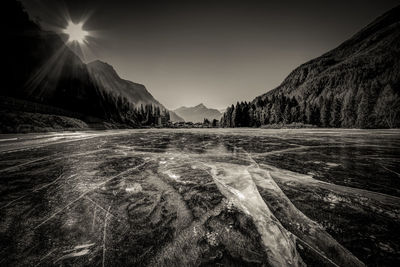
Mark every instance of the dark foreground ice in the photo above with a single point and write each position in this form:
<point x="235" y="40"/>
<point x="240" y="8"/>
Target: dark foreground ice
<point x="234" y="197"/>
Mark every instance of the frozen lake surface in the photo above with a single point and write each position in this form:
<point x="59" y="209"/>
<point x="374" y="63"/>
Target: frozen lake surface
<point x="191" y="197"/>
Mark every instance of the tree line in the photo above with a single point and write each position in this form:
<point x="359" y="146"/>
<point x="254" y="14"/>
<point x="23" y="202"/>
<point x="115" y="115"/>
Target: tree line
<point x="119" y="109"/>
<point x="369" y="108"/>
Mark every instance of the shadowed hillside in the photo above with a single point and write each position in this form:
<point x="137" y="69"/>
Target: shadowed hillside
<point x="354" y="85"/>
<point x="109" y="82"/>
<point x="41" y="69"/>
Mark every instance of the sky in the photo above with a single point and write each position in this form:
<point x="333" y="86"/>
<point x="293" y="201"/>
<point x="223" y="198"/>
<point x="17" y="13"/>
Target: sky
<point x="211" y="52"/>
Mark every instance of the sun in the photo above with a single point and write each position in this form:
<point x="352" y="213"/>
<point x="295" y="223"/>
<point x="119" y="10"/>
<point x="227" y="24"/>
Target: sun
<point x="75" y="32"/>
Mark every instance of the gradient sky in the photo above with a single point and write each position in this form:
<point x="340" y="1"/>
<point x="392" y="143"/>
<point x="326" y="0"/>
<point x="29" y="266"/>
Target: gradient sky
<point x="211" y="52"/>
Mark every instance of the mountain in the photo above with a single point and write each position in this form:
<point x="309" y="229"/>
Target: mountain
<point x="175" y="118"/>
<point x="42" y="75"/>
<point x="107" y="79"/>
<point x="356" y="84"/>
<point x="198" y="113"/>
<point x="38" y="67"/>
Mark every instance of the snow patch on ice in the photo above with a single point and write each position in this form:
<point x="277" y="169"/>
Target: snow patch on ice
<point x="134" y="188"/>
<point x="172" y="175"/>
<point x="74" y="254"/>
<point x="334" y="199"/>
<point x="8" y="139"/>
<point x="331" y="164"/>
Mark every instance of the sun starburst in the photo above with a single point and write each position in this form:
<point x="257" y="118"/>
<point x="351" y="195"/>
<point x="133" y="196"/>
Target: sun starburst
<point x="75" y="32"/>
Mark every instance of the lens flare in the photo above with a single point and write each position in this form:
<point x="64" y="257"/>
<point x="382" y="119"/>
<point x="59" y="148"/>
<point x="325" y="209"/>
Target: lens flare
<point x="75" y="32"/>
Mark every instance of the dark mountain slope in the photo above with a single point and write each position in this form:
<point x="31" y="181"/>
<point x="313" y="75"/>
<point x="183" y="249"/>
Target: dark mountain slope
<point x="108" y="80"/>
<point x="370" y="55"/>
<point x="41" y="69"/>
<point x="356" y="84"/>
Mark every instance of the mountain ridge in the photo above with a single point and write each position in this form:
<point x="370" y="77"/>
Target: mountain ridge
<point x="198" y="113"/>
<point x="348" y="86"/>
<point x="42" y="69"/>
<point x="107" y="78"/>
